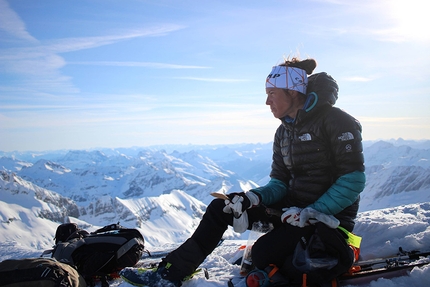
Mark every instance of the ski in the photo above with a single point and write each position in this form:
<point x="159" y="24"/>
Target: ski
<point x="402" y="258"/>
<point x="155" y="255"/>
<point x="365" y="271"/>
<point x="363" y="278"/>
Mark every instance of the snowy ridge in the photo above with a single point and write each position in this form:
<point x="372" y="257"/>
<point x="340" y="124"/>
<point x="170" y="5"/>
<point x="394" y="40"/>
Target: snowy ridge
<point x="165" y="219"/>
<point x="385" y="230"/>
<point x="395" y="174"/>
<point x="95" y="181"/>
<point x="24" y="227"/>
<point x="44" y="203"/>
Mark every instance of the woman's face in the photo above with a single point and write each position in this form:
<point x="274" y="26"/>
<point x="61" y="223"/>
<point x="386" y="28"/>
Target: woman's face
<point x="283" y="104"/>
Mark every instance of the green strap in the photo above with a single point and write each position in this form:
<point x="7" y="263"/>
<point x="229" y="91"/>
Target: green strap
<point x="353" y="240"/>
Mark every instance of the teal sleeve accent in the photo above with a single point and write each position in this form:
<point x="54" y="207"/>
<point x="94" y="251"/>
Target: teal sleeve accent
<point x="341" y="194"/>
<point x="272" y="192"/>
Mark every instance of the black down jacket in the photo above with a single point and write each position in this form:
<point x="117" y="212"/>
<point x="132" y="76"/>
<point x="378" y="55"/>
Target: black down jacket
<point x="319" y="150"/>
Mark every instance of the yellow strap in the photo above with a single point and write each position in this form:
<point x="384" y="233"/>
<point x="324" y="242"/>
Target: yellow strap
<point x="353" y="240"/>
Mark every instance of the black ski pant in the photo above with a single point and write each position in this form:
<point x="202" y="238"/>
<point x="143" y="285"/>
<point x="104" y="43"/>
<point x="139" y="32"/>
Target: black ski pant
<point x="214" y="223"/>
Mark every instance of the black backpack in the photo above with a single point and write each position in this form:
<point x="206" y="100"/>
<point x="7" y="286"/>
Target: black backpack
<point x="36" y="272"/>
<point x="100" y="253"/>
<point x="68" y="231"/>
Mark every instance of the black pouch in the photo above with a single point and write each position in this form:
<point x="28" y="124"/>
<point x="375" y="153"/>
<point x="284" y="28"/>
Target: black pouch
<point x="323" y="257"/>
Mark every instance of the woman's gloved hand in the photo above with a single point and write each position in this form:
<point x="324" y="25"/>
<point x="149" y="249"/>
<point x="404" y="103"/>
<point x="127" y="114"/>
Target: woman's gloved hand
<point x="238" y="202"/>
<point x="291" y="215"/>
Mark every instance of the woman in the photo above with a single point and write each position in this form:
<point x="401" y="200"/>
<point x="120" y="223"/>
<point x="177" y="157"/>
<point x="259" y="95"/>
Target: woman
<point x="317" y="155"/>
<point x="317" y="172"/>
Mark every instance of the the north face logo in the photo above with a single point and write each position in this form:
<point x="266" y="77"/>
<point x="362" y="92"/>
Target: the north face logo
<point x="305" y="137"/>
<point x="346" y="136"/>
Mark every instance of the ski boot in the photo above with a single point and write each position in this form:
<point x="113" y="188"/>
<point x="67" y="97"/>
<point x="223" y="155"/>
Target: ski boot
<point x="154" y="277"/>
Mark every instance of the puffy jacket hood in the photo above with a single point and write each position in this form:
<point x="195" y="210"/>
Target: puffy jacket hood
<point x="322" y="90"/>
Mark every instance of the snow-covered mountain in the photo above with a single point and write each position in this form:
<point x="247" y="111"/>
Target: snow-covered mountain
<point x="164" y="219"/>
<point x="164" y="192"/>
<point x="100" y="182"/>
<point x="85" y="176"/>
<point x="396" y="174"/>
<point x="45" y="203"/>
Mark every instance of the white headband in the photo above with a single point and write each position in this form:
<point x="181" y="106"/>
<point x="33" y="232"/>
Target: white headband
<point x="290" y="78"/>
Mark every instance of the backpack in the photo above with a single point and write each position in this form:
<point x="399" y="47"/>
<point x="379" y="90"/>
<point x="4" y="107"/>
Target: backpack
<point x="323" y="257"/>
<point x="100" y="253"/>
<point x="39" y="272"/>
<point x="67" y="231"/>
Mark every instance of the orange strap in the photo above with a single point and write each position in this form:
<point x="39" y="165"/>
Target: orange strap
<point x="304" y="278"/>
<point x="273" y="271"/>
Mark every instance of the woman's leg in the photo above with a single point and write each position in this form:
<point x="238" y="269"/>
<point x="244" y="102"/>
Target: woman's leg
<point x="275" y="246"/>
<point x="187" y="257"/>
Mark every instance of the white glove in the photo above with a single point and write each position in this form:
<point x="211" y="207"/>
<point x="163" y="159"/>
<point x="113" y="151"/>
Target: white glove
<point x="240" y="203"/>
<point x="291" y="215"/>
<point x="234" y="206"/>
<point x="310" y="216"/>
<point x="240" y="224"/>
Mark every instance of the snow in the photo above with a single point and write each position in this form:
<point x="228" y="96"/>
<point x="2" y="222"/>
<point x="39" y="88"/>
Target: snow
<point x="394" y="211"/>
<point x="383" y="232"/>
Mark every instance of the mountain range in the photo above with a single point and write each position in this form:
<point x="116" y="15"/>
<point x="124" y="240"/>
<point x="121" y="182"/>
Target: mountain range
<point x="164" y="190"/>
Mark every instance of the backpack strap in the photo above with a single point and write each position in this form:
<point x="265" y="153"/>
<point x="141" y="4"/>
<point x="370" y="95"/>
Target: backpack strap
<point x="63" y="250"/>
<point x="354" y="242"/>
<point x="121" y="251"/>
<point x="127" y="246"/>
<point x="352" y="239"/>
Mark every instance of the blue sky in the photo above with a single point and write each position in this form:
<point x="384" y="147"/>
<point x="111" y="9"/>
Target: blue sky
<point x="109" y="73"/>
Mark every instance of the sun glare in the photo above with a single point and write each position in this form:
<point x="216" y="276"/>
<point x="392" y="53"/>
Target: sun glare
<point x="410" y="19"/>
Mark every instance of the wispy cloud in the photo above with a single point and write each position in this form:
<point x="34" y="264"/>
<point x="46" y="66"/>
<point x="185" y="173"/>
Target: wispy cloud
<point x="41" y="62"/>
<point x="394" y="120"/>
<point x="64" y="117"/>
<point x="358" y="79"/>
<point x="99" y="103"/>
<point x="212" y="79"/>
<point x="12" y="24"/>
<point x="59" y="46"/>
<point x="76" y="44"/>
<point x="138" y="64"/>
